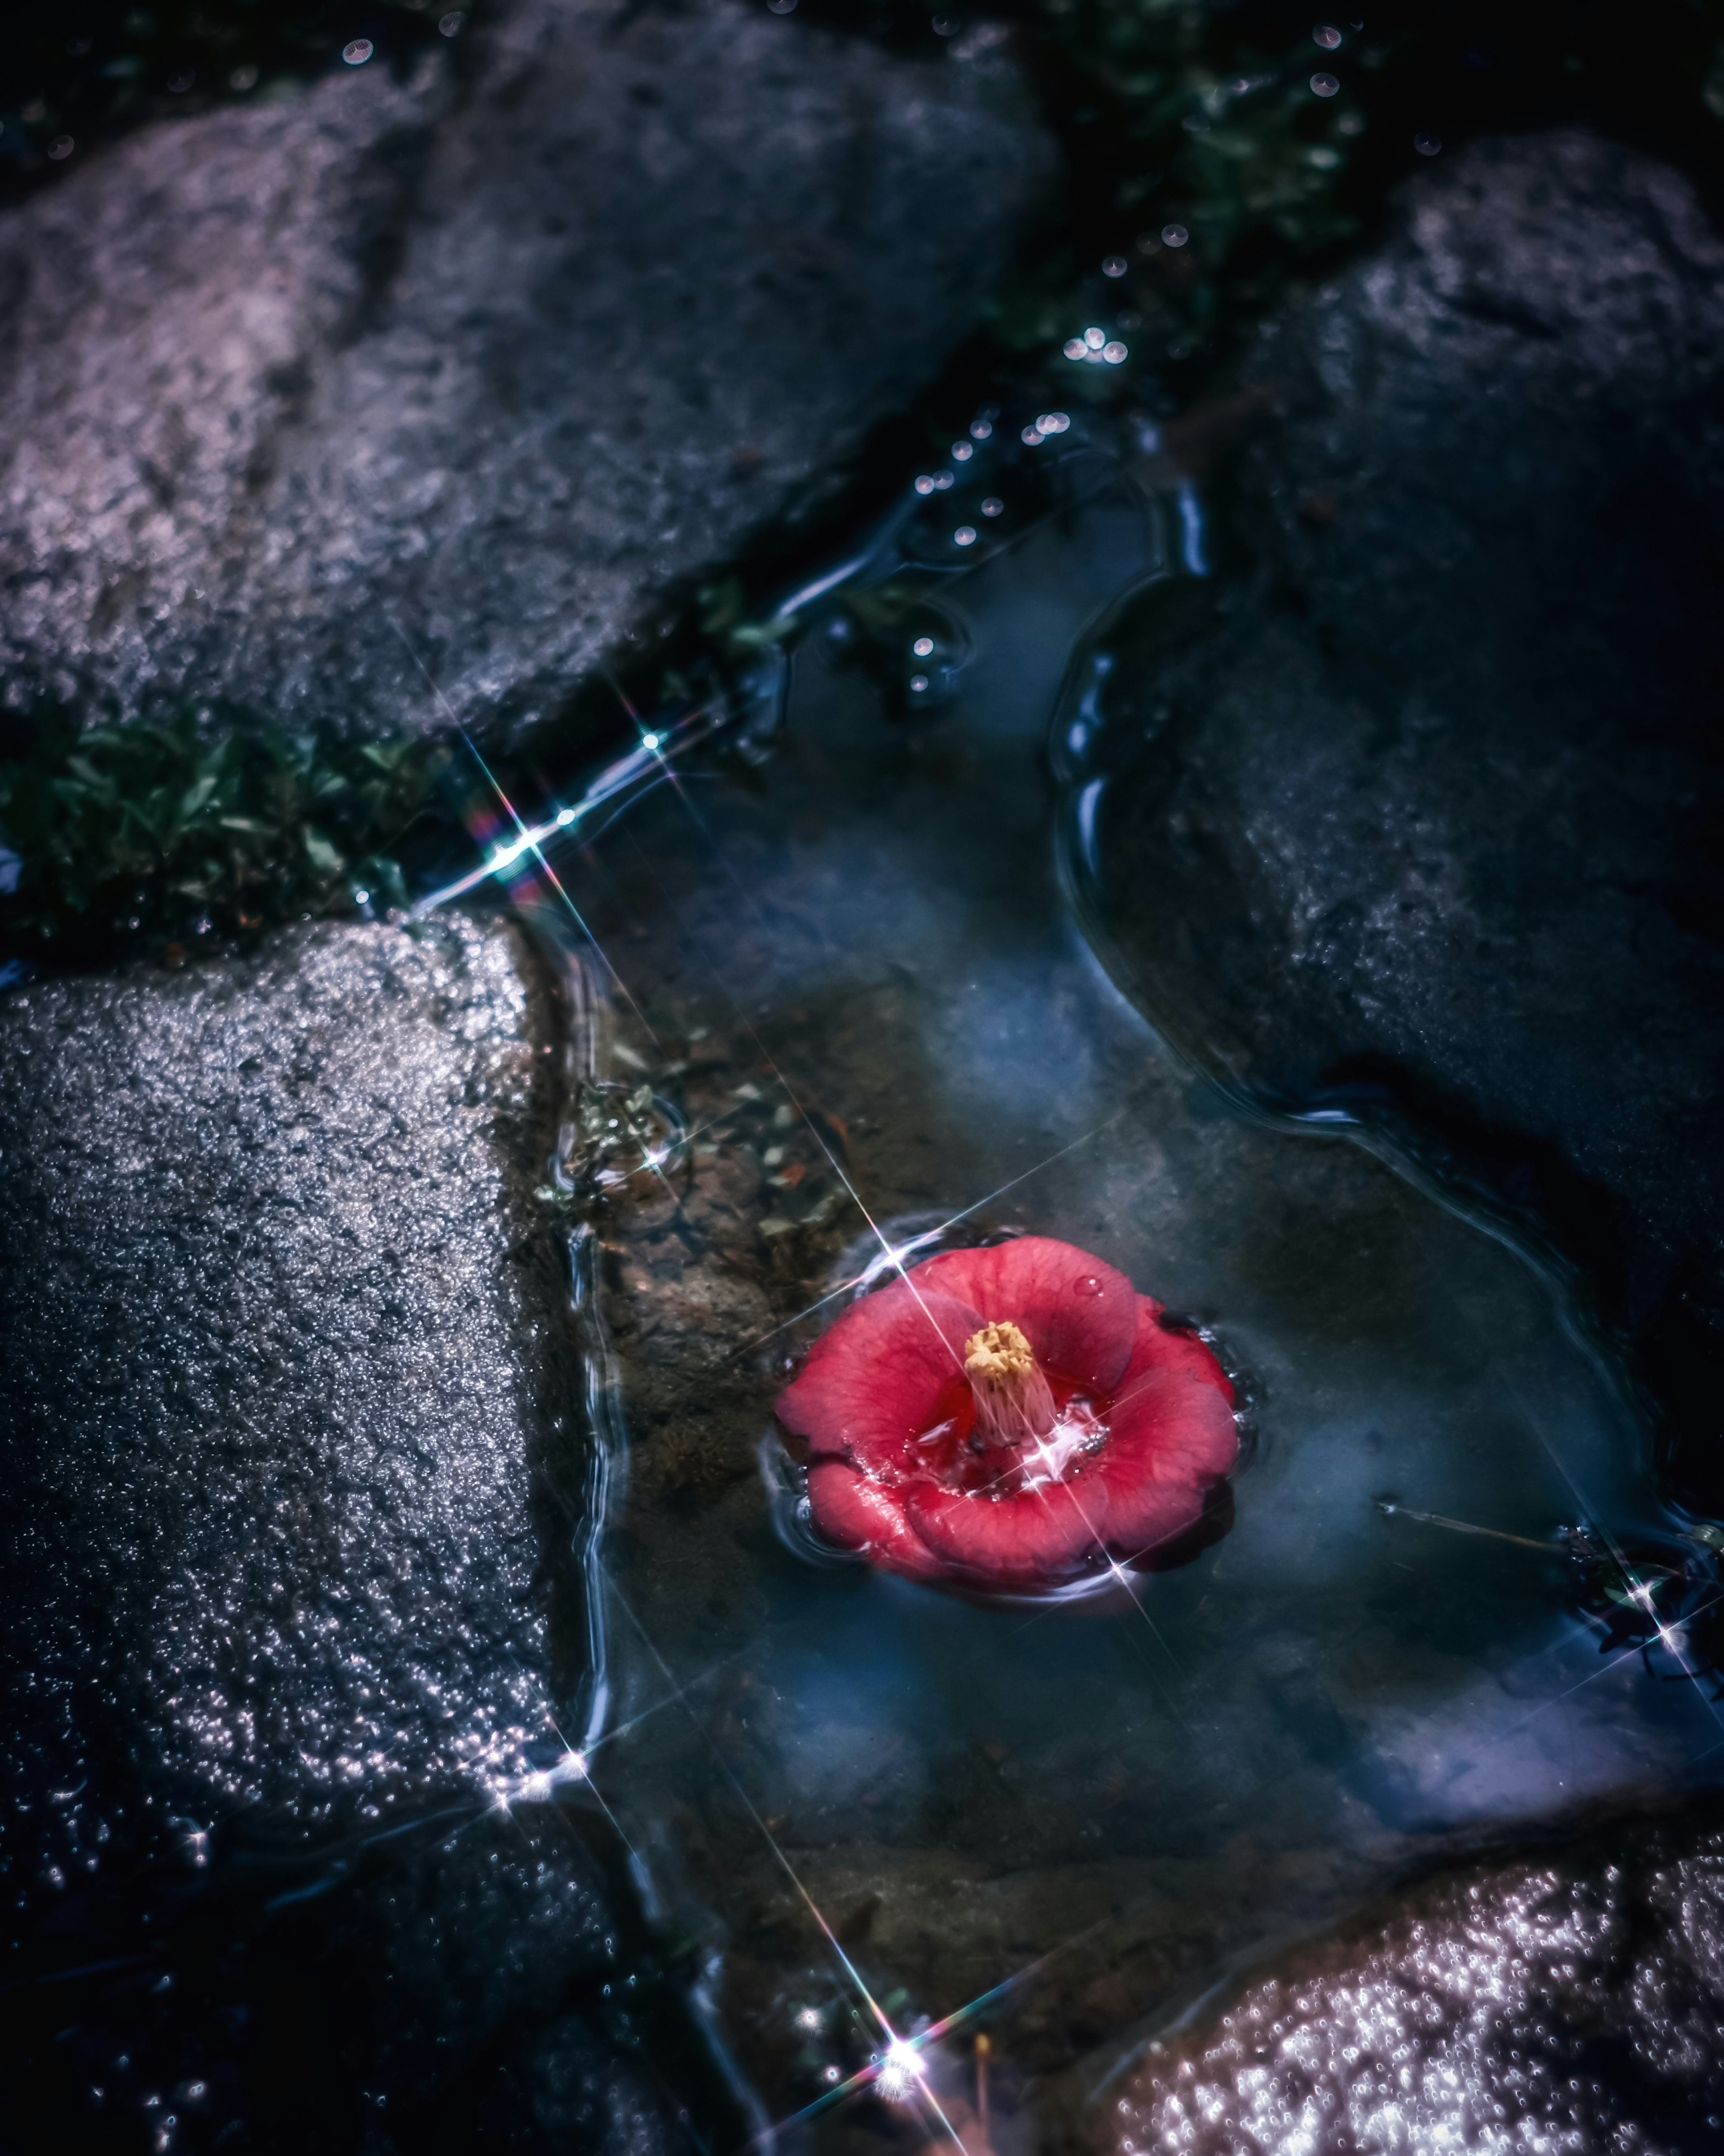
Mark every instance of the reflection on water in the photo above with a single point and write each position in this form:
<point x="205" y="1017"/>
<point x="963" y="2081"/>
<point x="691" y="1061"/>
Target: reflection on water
<point x="882" y="1810"/>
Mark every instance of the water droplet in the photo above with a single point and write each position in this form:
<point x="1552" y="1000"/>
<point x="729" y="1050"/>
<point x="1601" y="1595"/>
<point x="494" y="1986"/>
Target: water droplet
<point x="1324" y="86"/>
<point x="181" y="83"/>
<point x="1054" y="422"/>
<point x="1032" y="435"/>
<point x="1075" y="348"/>
<point x="1114" y="351"/>
<point x="1094" y="338"/>
<point x="1326" y="35"/>
<point x="924" y="484"/>
<point x="943" y="481"/>
<point x="781" y="6"/>
<point x="451" y="23"/>
<point x="965" y="536"/>
<point x="243" y="77"/>
<point x="1114" y="266"/>
<point x="981" y="429"/>
<point x="962" y="452"/>
<point x="947" y="26"/>
<point x="1426" y="145"/>
<point x="993" y="506"/>
<point x="923" y="647"/>
<point x="1089" y="1285"/>
<point x="61" y="146"/>
<point x="357" y="51"/>
<point x="1175" y="235"/>
<point x="918" y="683"/>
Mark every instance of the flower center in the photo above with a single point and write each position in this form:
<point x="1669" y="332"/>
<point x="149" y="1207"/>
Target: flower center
<point x="1014" y="1402"/>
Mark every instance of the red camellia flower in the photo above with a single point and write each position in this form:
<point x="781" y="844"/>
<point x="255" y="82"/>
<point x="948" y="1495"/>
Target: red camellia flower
<point x="1009" y="1417"/>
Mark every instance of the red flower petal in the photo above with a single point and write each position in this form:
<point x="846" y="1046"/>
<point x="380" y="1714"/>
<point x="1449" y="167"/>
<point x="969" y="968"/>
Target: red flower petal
<point x="1158" y="1345"/>
<point x="873" y="1384"/>
<point x="858" y="1514"/>
<point x="1079" y="1315"/>
<point x="1171" y="1437"/>
<point x="1028" y="1539"/>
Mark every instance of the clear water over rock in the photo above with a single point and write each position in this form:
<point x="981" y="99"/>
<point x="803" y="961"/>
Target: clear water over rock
<point x="857" y="987"/>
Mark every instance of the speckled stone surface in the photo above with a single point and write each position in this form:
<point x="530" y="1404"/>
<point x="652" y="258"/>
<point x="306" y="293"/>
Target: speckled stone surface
<point x="270" y="1363"/>
<point x="291" y="1422"/>
<point x="1562" y="2007"/>
<point x="487" y="362"/>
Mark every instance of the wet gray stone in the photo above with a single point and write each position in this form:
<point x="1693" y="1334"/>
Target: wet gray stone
<point x="1415" y="805"/>
<point x="492" y="364"/>
<point x="289" y="1447"/>
<point x="1572" y="2004"/>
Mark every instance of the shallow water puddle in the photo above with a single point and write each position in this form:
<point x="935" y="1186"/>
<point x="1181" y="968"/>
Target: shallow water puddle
<point x="875" y="1805"/>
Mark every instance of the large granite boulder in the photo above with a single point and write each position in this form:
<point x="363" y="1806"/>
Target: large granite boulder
<point x="292" y="1445"/>
<point x="472" y="371"/>
<point x="1412" y="811"/>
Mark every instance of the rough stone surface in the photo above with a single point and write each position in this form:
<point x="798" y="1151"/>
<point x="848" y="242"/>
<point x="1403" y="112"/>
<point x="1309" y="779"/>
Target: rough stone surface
<point x="488" y="364"/>
<point x="286" y="1373"/>
<point x="1574" y="2005"/>
<point x="1415" y="809"/>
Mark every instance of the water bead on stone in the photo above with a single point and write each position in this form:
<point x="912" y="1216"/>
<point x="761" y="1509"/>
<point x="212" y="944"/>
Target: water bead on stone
<point x="1089" y="1285"/>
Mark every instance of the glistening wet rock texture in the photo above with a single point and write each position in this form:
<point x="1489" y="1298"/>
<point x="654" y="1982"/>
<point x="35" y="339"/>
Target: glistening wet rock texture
<point x="469" y="362"/>
<point x="1575" y="2006"/>
<point x="1413" y="809"/>
<point x="288" y="1468"/>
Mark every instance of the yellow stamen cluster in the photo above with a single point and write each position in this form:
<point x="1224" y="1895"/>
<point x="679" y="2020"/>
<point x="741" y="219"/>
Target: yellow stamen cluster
<point x="1014" y="1405"/>
<point x="996" y="1354"/>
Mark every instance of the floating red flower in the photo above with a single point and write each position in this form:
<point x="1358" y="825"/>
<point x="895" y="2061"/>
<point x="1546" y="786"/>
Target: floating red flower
<point x="1009" y="1417"/>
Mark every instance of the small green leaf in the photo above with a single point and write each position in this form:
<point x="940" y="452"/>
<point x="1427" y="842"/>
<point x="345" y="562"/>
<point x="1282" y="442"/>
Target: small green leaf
<point x="324" y="857"/>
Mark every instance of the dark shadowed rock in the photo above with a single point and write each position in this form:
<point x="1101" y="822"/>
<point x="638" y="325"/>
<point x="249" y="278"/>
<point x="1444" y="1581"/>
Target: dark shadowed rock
<point x="1415" y="809"/>
<point x="489" y="364"/>
<point x="290" y="1432"/>
<point x="1573" y="2003"/>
